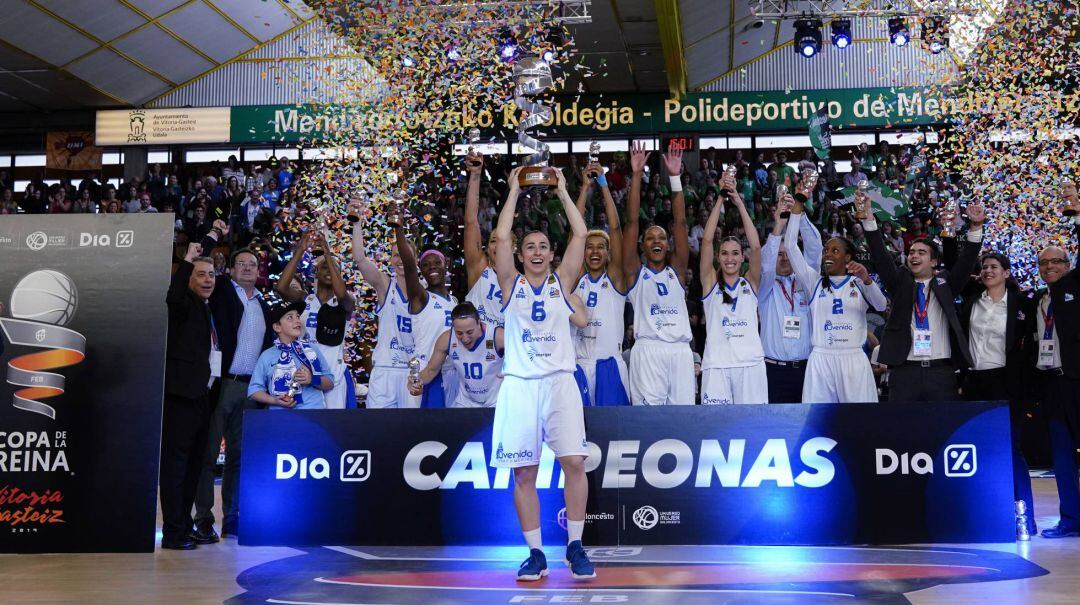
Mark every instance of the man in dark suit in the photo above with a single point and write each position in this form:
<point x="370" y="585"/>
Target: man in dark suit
<point x="191" y="361"/>
<point x="1056" y="350"/>
<point x="242" y="320"/>
<point x="923" y="342"/>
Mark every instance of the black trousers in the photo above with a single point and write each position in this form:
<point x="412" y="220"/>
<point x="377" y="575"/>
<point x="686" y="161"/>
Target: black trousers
<point x="996" y="385"/>
<point x="785" y="382"/>
<point x="183" y="445"/>
<point x="1061" y="396"/>
<point x="910" y="382"/>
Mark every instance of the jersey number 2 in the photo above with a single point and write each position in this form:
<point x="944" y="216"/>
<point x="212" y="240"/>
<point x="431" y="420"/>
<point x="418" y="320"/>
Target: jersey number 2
<point x="837" y="306"/>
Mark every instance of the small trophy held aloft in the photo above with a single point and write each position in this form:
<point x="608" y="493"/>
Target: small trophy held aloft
<point x="532" y="76"/>
<point x="862" y="199"/>
<point x="594" y="170"/>
<point x="729" y="171"/>
<point x="472" y="136"/>
<point x="414" y="372"/>
<point x="948" y="216"/>
<point x="781" y="191"/>
<point x="1072" y="203"/>
<point x="355" y="209"/>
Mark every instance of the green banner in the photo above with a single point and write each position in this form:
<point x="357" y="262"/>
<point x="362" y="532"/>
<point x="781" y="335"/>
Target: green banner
<point x="607" y="115"/>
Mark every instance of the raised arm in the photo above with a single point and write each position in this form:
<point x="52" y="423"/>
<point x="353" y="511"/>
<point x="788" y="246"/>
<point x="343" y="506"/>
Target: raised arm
<point x="504" y="237"/>
<point x="883" y="262"/>
<point x="616" y="271"/>
<point x="806" y="275"/>
<point x="368" y="269"/>
<point x="341" y="292"/>
<point x="586" y="187"/>
<point x="289" y="272"/>
<point x="418" y="296"/>
<point x="960" y="272"/>
<point x="570" y="269"/>
<point x="812" y="246"/>
<point x="631" y="257"/>
<point x="475" y="259"/>
<point x="679" y="233"/>
<point x="769" y="252"/>
<point x="708" y="248"/>
<point x="753" y="274"/>
<point x="580" y="317"/>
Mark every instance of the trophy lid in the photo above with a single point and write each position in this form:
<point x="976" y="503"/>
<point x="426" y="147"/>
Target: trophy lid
<point x="594" y="147"/>
<point x="473" y="134"/>
<point x="533" y="69"/>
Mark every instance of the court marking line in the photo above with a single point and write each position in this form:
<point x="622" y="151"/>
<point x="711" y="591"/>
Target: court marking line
<point x="365" y="555"/>
<point x="370" y="557"/>
<point x="319" y="603"/>
<point x="585" y="586"/>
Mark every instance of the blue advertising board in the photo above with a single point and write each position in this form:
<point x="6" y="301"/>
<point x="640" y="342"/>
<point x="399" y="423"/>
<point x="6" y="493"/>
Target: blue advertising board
<point x="745" y="474"/>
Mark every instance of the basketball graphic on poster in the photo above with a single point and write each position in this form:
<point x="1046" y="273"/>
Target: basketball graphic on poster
<point x="47" y="296"/>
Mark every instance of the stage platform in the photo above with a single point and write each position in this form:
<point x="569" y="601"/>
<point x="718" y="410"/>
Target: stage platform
<point x="1042" y="571"/>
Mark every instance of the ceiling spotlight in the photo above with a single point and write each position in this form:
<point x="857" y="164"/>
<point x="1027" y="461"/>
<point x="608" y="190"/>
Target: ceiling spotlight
<point x="407" y="61"/>
<point x="453" y="54"/>
<point x="808" y="37"/>
<point x="508" y="47"/>
<point x="898" y="31"/>
<point x="935" y="33"/>
<point x="841" y="33"/>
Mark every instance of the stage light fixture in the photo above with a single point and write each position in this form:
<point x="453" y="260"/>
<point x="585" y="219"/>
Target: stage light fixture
<point x="935" y="33"/>
<point x="808" y="37"/>
<point x="508" y="47"/>
<point x="841" y="33"/>
<point x="898" y="31"/>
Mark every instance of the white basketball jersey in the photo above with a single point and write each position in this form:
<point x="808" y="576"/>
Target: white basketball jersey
<point x="602" y="337"/>
<point x="394" y="344"/>
<point x="538" y="340"/>
<point x="486" y="296"/>
<point x="430" y="323"/>
<point x="732" y="339"/>
<point x="478" y="369"/>
<point x="839" y="315"/>
<point x="659" y="306"/>
<point x="310" y="318"/>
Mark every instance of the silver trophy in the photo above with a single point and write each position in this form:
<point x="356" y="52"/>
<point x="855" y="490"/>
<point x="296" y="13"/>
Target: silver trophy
<point x="472" y="136"/>
<point x="414" y="371"/>
<point x="532" y="76"/>
<point x="594" y="169"/>
<point x="949" y="212"/>
<point x="729" y="171"/>
<point x="1022" y="533"/>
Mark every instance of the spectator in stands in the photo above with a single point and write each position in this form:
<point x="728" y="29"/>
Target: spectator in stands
<point x="174" y="195"/>
<point x="808" y="161"/>
<point x="132" y="203"/>
<point x="7" y="203"/>
<point x="146" y="202"/>
<point x="198" y="226"/>
<point x="284" y="173"/>
<point x="233" y="169"/>
<point x="916" y="231"/>
<point x="250" y="209"/>
<point x="272" y="195"/>
<point x="33" y="201"/>
<point x="84" y="204"/>
<point x="214" y="190"/>
<point x="856" y="175"/>
<point x="110" y="207"/>
<point x="156" y="182"/>
<point x="785" y="175"/>
<point x="60" y="203"/>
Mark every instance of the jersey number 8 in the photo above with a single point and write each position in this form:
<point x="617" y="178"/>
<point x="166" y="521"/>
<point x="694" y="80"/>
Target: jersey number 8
<point x="591" y="301"/>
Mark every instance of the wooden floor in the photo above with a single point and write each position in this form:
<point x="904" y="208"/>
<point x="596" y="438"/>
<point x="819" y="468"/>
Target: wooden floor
<point x="209" y="575"/>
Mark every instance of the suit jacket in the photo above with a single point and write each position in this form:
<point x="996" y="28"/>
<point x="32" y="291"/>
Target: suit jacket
<point x="896" y="338"/>
<point x="187" y="351"/>
<point x="1019" y="323"/>
<point x="1065" y="296"/>
<point x="228" y="310"/>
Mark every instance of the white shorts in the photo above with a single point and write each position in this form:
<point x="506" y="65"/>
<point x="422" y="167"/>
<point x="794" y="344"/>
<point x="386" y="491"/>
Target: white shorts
<point x="463" y="400"/>
<point x="533" y="411"/>
<point x="843" y="377"/>
<point x="450" y="384"/>
<point x="588" y="368"/>
<point x="389" y="388"/>
<point x="662" y="373"/>
<point x="735" y="385"/>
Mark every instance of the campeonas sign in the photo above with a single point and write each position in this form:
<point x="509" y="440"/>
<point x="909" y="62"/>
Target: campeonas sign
<point x="163" y="126"/>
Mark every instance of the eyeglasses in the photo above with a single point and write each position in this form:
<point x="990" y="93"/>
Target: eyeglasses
<point x="247" y="264"/>
<point x="1046" y="262"/>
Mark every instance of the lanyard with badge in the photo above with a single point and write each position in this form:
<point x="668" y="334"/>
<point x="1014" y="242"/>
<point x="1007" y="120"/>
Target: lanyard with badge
<point x="792" y="322"/>
<point x="922" y="340"/>
<point x="1046" y="344"/>
<point x="215" y="351"/>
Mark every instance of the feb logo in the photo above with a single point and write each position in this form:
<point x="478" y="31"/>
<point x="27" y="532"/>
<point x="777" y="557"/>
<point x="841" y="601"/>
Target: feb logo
<point x="42" y="303"/>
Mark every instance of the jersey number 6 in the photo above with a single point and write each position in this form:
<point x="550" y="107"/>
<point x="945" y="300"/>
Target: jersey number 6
<point x="538" y="313"/>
